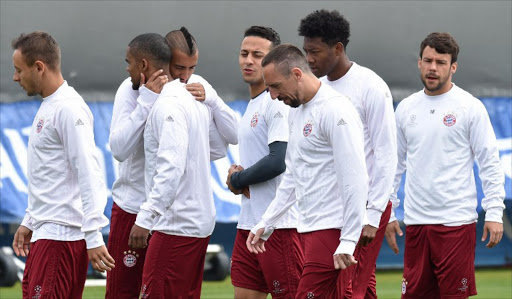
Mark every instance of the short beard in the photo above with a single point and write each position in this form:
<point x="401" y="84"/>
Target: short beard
<point x="436" y="88"/>
<point x="135" y="86"/>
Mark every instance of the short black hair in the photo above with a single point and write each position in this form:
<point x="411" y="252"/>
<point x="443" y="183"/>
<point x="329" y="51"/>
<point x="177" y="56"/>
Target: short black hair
<point x="286" y="57"/>
<point x="38" y="45"/>
<point x="330" y="26"/>
<point x="264" y="32"/>
<point x="151" y="46"/>
<point x="443" y="42"/>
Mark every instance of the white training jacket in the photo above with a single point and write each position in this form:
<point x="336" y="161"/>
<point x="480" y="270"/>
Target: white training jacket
<point x="372" y="99"/>
<point x="439" y="138"/>
<point x="325" y="170"/>
<point x="177" y="172"/>
<point x="131" y="109"/>
<point x="66" y="191"/>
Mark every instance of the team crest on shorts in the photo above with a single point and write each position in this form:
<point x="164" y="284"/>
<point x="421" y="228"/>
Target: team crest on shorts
<point x="40" y="125"/>
<point x="254" y="120"/>
<point x="308" y="128"/>
<point x="130" y="258"/>
<point x="404" y="286"/>
<point x="449" y="120"/>
<point x="277" y="287"/>
<point x="464" y="283"/>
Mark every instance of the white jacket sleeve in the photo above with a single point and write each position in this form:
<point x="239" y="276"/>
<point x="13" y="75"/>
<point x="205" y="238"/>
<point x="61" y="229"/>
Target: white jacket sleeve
<point x="170" y="128"/>
<point x="74" y="125"/>
<point x="284" y="200"/>
<point x="401" y="163"/>
<point x="382" y="130"/>
<point x="128" y="119"/>
<point x="484" y="145"/>
<point x="218" y="147"/>
<point x="345" y="133"/>
<point x="224" y="117"/>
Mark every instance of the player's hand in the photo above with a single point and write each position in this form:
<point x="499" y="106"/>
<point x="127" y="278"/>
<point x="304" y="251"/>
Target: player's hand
<point x="156" y="82"/>
<point x="246" y="192"/>
<point x="254" y="242"/>
<point x="197" y="90"/>
<point x="234" y="168"/>
<point x="343" y="261"/>
<point x="138" y="237"/>
<point x="101" y="259"/>
<point x="392" y="229"/>
<point x="495" y="231"/>
<point x="367" y="235"/>
<point x="21" y="241"/>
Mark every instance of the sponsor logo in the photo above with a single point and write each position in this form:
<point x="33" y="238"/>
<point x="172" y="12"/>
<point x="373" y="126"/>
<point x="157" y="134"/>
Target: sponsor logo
<point x="342" y="122"/>
<point x="404" y="286"/>
<point x="40" y="125"/>
<point x="169" y="119"/>
<point x="130" y="258"/>
<point x="254" y="120"/>
<point x="144" y="295"/>
<point x="432" y="111"/>
<point x="449" y="120"/>
<point x="278" y="115"/>
<point x="79" y="122"/>
<point x="308" y="128"/>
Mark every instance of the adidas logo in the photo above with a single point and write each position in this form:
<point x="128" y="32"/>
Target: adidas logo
<point x="278" y="115"/>
<point x="342" y="122"/>
<point x="79" y="122"/>
<point x="169" y="118"/>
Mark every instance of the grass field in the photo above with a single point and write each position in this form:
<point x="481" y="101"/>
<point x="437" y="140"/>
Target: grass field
<point x="491" y="284"/>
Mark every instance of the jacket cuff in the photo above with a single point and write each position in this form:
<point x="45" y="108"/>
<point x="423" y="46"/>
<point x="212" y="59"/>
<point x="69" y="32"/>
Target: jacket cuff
<point x="94" y="239"/>
<point x="345" y="247"/>
<point x="267" y="230"/>
<point x="27" y="222"/>
<point x="146" y="96"/>
<point x="146" y="219"/>
<point x="392" y="217"/>
<point x="374" y="217"/>
<point x="494" y="215"/>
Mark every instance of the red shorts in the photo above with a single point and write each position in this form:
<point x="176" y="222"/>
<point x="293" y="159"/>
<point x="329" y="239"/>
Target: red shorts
<point x="277" y="271"/>
<point x="174" y="267"/>
<point x="125" y="280"/>
<point x="359" y="280"/>
<point x="439" y="261"/>
<point x="319" y="276"/>
<point x="55" y="269"/>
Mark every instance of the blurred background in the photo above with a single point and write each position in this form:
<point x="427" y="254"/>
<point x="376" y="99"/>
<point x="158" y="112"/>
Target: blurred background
<point x="385" y="36"/>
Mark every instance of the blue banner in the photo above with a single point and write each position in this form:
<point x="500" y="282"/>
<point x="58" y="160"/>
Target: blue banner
<point x="16" y="119"/>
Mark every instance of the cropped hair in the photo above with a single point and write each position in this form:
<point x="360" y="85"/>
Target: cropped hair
<point x="38" y="46"/>
<point x="151" y="46"/>
<point x="442" y="42"/>
<point x="264" y="32"/>
<point x="285" y="57"/>
<point x="330" y="26"/>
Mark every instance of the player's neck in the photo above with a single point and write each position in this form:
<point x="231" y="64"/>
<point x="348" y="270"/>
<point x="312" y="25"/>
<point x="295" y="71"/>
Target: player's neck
<point x="341" y="69"/>
<point x="53" y="82"/>
<point x="256" y="89"/>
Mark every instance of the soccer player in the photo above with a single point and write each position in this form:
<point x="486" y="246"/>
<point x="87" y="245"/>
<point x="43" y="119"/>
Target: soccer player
<point x="325" y="172"/>
<point x="134" y="99"/>
<point x="263" y="136"/>
<point x="441" y="130"/>
<point x="179" y="207"/>
<point x="66" y="191"/>
<point x="326" y="36"/>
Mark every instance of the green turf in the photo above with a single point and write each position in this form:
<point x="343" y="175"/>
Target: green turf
<point x="491" y="284"/>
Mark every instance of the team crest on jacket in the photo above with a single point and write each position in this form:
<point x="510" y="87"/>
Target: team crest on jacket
<point x="449" y="120"/>
<point x="130" y="258"/>
<point x="40" y="125"/>
<point x="308" y="128"/>
<point x="254" y="120"/>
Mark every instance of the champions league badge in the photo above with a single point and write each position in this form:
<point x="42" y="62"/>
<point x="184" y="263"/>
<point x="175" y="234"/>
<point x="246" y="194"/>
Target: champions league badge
<point x="254" y="120"/>
<point x="449" y="120"/>
<point x="40" y="125"/>
<point x="308" y="128"/>
<point x="130" y="258"/>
